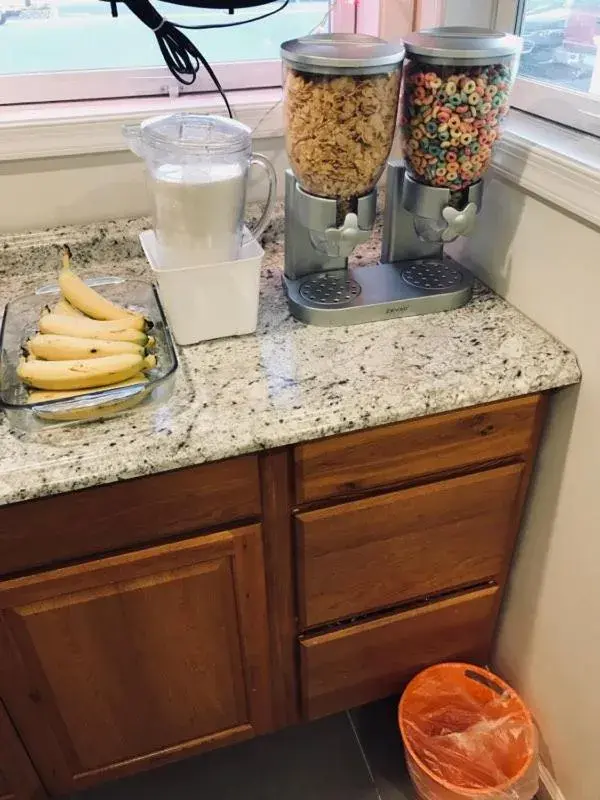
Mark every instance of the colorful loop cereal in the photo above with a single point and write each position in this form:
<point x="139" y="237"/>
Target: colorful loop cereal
<point x="455" y="111"/>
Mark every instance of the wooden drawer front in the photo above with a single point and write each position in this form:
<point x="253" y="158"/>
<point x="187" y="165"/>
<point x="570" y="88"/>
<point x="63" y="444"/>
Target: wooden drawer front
<point x="391" y="454"/>
<point x="361" y="663"/>
<point x="119" y="515"/>
<point x="386" y="550"/>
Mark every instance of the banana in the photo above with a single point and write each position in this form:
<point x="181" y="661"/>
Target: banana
<point x="82" y="374"/>
<point x="53" y="347"/>
<point x="64" y="307"/>
<point x="39" y="396"/>
<point x="113" y="330"/>
<point x="88" y="300"/>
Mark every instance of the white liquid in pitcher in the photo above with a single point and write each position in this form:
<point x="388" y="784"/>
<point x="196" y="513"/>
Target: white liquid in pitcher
<point x="198" y="213"/>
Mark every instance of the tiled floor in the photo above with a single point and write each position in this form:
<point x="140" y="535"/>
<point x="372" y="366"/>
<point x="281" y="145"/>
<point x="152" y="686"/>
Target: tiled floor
<point x="345" y="757"/>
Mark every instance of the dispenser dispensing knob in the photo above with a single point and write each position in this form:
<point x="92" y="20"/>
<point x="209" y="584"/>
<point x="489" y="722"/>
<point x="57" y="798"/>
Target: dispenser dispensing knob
<point x="342" y="241"/>
<point x="460" y="223"/>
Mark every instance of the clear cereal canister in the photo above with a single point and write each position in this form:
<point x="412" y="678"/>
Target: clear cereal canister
<point x="340" y="106"/>
<point x="455" y="94"/>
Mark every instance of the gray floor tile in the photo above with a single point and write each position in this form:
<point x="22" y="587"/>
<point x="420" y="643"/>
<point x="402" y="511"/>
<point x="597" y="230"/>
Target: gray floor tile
<point x="377" y="730"/>
<point x="319" y="761"/>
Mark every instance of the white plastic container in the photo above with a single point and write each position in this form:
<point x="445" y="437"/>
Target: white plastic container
<point x="209" y="301"/>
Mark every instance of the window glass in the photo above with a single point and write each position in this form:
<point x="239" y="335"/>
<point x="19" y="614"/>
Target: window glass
<point x="561" y="43"/>
<point x="42" y="36"/>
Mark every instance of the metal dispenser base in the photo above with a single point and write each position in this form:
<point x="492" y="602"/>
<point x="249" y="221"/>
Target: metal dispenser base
<point x="414" y="277"/>
<point x="382" y="291"/>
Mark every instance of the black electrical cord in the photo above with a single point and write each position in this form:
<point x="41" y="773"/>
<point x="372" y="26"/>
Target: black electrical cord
<point x="233" y="24"/>
<point x="182" y="57"/>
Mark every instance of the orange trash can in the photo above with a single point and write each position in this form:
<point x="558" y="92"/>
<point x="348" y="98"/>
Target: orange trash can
<point x="467" y="736"/>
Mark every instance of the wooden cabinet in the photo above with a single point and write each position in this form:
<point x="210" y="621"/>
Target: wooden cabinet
<point x="118" y="663"/>
<point x="132" y="633"/>
<point x="18" y="779"/>
<point x="391" y="579"/>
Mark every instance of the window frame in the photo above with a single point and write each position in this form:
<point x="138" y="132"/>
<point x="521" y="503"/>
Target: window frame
<point x="568" y="107"/>
<point x="113" y="84"/>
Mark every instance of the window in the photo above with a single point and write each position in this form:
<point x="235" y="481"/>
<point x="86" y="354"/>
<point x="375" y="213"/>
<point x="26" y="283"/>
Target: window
<point x="559" y="73"/>
<point x="73" y="49"/>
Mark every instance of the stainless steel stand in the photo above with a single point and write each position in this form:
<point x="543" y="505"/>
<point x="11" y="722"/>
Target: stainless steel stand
<point x="413" y="277"/>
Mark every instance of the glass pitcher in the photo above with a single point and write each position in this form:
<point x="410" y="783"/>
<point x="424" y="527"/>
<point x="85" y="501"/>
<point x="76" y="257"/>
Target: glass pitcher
<point x="198" y="174"/>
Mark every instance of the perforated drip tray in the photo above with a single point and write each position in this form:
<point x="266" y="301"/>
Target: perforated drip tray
<point x="430" y="274"/>
<point x="379" y="292"/>
<point x="330" y="288"/>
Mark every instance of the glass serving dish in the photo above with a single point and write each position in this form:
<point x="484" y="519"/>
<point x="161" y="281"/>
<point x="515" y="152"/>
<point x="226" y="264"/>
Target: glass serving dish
<point x="20" y="322"/>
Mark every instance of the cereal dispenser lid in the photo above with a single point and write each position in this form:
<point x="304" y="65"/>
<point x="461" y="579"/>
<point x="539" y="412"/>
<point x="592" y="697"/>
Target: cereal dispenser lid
<point x="458" y="45"/>
<point x="341" y="53"/>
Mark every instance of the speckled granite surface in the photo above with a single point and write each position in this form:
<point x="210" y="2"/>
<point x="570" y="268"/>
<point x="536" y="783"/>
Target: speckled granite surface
<point x="287" y="383"/>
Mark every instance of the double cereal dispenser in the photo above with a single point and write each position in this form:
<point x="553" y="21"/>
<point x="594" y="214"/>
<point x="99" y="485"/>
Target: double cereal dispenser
<point x="343" y="95"/>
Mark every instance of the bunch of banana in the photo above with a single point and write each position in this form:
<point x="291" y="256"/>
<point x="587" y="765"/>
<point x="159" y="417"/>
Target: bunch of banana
<point x="86" y="343"/>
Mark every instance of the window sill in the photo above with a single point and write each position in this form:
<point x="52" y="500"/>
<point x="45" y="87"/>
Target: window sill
<point x="556" y="164"/>
<point x="79" y="128"/>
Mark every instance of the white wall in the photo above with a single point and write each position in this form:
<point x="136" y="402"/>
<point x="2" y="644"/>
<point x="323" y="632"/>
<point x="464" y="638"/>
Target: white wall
<point x="548" y="265"/>
<point x="41" y="193"/>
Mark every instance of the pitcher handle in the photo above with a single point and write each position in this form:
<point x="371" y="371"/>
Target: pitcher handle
<point x="133" y="136"/>
<point x="259" y="228"/>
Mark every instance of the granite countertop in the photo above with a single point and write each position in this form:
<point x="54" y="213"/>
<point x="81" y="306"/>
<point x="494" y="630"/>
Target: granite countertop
<point x="288" y="383"/>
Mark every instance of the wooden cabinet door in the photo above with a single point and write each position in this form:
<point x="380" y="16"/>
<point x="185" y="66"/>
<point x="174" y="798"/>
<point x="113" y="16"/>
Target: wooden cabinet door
<point x="128" y="661"/>
<point x="18" y="780"/>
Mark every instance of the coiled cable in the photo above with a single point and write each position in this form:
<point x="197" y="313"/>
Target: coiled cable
<point x="182" y="57"/>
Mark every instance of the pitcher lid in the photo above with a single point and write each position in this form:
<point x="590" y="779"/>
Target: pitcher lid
<point x="196" y="133"/>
